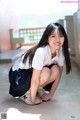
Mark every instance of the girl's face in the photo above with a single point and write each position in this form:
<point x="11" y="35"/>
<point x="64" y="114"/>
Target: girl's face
<point x="56" y="39"/>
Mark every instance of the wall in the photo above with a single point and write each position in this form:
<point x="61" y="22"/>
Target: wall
<point x="7" y="21"/>
<point x="70" y="33"/>
<point x="77" y="36"/>
<point x="76" y="20"/>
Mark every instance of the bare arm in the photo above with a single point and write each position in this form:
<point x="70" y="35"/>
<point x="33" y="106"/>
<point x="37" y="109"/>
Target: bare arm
<point x="53" y="88"/>
<point x="35" y="82"/>
<point x="55" y="84"/>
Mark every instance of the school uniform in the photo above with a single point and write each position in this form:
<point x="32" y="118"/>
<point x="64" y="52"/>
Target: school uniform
<point x="20" y="74"/>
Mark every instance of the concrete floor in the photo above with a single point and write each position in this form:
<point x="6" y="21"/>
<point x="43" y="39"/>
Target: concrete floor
<point x="65" y="104"/>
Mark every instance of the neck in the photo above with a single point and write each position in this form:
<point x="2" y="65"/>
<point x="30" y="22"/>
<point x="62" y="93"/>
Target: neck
<point x="53" y="52"/>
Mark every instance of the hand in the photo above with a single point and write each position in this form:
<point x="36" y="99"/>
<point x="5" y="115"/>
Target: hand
<point x="46" y="97"/>
<point x="38" y="100"/>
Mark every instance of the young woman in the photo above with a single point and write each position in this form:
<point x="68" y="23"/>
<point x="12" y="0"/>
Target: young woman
<point x="41" y="67"/>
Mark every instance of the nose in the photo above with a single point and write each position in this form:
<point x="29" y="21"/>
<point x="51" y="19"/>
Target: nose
<point x="57" y="39"/>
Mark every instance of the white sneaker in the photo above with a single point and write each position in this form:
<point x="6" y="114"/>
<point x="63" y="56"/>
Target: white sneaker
<point x="41" y="91"/>
<point x="26" y="98"/>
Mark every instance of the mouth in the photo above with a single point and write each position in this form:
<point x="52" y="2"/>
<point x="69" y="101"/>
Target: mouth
<point x="57" y="44"/>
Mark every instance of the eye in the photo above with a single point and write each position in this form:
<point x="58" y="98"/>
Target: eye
<point x="52" y="35"/>
<point x="61" y="36"/>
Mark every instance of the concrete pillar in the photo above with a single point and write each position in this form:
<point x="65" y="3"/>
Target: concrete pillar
<point x="61" y="21"/>
<point x="77" y="36"/>
<point x="70" y="33"/>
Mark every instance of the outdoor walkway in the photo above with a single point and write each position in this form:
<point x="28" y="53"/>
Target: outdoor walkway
<point x="65" y="104"/>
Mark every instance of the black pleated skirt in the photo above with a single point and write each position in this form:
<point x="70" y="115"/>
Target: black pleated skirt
<point x="20" y="81"/>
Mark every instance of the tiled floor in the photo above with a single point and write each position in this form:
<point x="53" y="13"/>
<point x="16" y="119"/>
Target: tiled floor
<point x="65" y="104"/>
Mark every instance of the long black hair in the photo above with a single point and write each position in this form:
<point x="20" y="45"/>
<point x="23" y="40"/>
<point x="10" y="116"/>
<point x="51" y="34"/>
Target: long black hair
<point x="44" y="41"/>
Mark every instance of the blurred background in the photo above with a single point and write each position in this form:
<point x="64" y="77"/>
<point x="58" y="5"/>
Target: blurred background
<point x="22" y="22"/>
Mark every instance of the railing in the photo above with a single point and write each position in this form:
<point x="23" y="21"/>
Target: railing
<point x="26" y="36"/>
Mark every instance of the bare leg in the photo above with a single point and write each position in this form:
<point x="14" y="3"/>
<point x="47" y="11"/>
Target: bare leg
<point x="49" y="75"/>
<point x="54" y="73"/>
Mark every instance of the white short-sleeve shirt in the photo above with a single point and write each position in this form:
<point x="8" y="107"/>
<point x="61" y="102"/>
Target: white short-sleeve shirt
<point x="42" y="57"/>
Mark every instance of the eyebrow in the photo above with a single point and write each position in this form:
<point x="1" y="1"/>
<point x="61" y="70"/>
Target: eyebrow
<point x="58" y="33"/>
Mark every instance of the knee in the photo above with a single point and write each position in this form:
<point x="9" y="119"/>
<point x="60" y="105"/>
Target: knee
<point x="45" y="75"/>
<point x="55" y="70"/>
